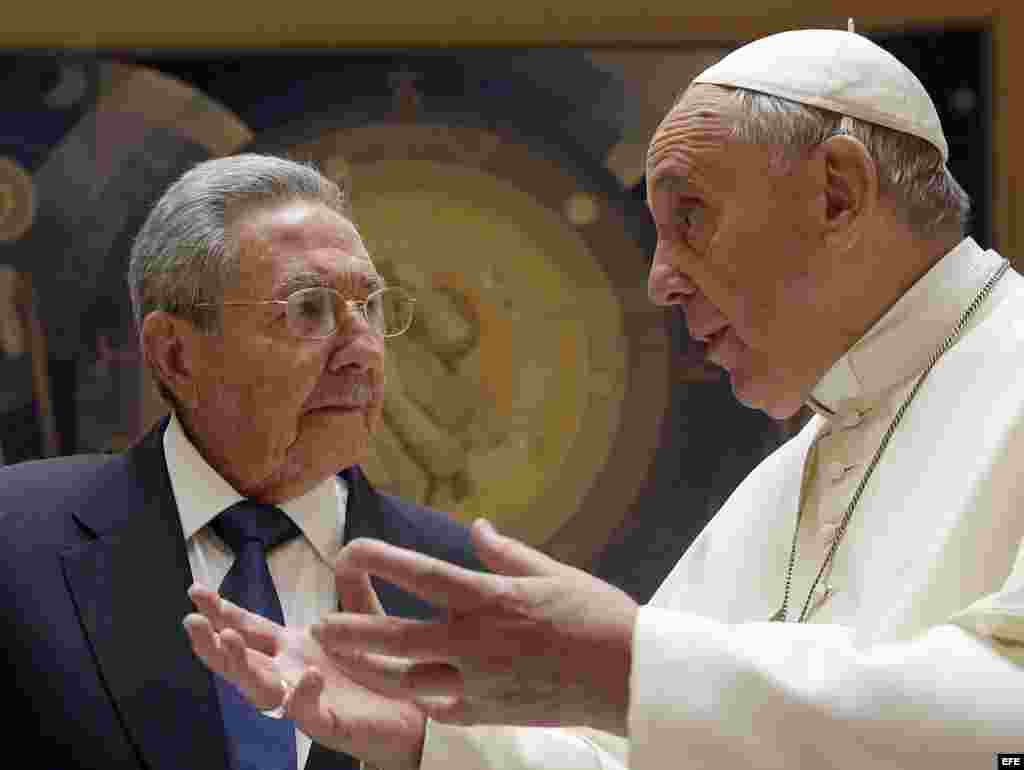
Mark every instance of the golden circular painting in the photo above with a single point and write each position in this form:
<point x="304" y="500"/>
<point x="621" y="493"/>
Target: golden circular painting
<point x="530" y="387"/>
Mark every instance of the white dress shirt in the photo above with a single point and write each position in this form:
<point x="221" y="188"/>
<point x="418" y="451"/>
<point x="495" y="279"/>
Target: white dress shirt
<point x="302" y="569"/>
<point x="916" y="661"/>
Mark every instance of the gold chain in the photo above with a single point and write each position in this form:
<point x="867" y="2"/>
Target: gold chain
<point x="841" y="529"/>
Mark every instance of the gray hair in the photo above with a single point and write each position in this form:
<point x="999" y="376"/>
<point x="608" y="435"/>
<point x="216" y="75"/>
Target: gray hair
<point x="184" y="258"/>
<point x="911" y="172"/>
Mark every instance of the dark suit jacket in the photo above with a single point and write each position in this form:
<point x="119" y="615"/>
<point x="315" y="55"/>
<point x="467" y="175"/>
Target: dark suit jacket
<point x="98" y="671"/>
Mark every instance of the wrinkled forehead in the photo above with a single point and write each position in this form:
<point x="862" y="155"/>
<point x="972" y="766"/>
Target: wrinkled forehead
<point x="699" y="124"/>
<point x="276" y="243"/>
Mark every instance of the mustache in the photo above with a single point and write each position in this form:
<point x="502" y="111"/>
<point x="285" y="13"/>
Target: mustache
<point x="352" y="391"/>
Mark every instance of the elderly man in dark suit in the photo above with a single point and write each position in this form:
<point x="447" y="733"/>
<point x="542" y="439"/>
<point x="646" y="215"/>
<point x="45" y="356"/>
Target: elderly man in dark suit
<point x="263" y="321"/>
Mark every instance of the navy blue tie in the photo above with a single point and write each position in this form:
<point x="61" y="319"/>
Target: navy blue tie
<point x="255" y="742"/>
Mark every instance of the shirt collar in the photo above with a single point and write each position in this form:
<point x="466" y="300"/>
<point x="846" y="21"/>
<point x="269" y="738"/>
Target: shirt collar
<point x="201" y="493"/>
<point x="903" y="340"/>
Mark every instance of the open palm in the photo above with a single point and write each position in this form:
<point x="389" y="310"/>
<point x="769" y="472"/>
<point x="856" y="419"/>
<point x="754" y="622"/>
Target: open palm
<point x="264" y="660"/>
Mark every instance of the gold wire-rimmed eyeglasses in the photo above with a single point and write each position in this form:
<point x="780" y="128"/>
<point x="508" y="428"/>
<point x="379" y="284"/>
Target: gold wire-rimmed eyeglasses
<point x="313" y="313"/>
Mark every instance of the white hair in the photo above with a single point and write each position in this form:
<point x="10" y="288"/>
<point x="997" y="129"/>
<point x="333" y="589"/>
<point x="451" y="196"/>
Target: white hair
<point x="911" y="172"/>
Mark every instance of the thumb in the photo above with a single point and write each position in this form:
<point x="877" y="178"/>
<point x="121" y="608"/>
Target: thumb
<point x="355" y="592"/>
<point x="508" y="556"/>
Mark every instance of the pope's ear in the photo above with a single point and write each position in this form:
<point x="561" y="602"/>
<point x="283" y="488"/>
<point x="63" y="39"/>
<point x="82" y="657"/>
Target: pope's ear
<point x="166" y="348"/>
<point x="851" y="189"/>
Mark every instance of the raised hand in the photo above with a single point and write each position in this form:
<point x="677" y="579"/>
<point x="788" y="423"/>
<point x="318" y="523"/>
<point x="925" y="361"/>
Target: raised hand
<point x="272" y="665"/>
<point x="536" y="643"/>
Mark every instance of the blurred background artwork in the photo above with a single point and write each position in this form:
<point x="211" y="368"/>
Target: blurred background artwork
<point x="504" y="187"/>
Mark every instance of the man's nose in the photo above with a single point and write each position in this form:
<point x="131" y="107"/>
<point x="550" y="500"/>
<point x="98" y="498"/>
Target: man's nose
<point x="356" y="347"/>
<point x="666" y="285"/>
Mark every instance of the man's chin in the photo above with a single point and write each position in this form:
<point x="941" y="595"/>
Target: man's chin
<point x="315" y="459"/>
<point x="327" y="431"/>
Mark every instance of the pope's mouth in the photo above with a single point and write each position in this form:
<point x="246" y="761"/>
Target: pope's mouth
<point x="712" y="340"/>
<point x="703" y="347"/>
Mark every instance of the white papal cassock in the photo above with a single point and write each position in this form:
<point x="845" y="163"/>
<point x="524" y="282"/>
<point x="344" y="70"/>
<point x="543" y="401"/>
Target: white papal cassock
<point x="917" y="658"/>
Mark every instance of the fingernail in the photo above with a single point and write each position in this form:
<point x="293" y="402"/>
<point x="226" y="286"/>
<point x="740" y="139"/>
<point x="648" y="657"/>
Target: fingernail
<point x="488" y="527"/>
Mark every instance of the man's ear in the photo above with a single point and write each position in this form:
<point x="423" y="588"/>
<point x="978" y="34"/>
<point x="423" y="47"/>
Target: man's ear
<point x="168" y="351"/>
<point x="851" y="189"/>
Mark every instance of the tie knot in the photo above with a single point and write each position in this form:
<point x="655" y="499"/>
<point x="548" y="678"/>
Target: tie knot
<point x="247" y="522"/>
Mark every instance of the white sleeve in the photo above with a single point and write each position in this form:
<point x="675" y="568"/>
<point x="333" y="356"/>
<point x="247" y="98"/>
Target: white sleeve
<point x="783" y="695"/>
<point x="497" y="747"/>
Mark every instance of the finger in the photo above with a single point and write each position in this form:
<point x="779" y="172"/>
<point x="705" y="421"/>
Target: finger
<point x="304" y="705"/>
<point x="384" y="674"/>
<point x="355" y="592"/>
<point x="313" y="714"/>
<point x="205" y="643"/>
<point x="234" y="658"/>
<point x="342" y="633"/>
<point x="207" y="602"/>
<point x="251" y="672"/>
<point x="226" y="655"/>
<point x="259" y="632"/>
<point x="508" y="556"/>
<point x="436" y="581"/>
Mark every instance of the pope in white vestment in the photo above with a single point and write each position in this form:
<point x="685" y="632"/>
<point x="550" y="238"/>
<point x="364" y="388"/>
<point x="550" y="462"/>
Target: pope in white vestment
<point x="886" y="673"/>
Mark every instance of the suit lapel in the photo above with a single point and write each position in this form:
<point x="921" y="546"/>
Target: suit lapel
<point x="129" y="587"/>
<point x="365" y="515"/>
<point x="370" y="514"/>
<point x="321" y="758"/>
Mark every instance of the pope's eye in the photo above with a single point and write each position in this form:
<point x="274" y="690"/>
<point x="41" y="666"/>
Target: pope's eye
<point x="309" y="308"/>
<point x="689" y="217"/>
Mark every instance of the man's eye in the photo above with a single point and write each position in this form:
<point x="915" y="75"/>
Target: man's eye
<point x="374" y="304"/>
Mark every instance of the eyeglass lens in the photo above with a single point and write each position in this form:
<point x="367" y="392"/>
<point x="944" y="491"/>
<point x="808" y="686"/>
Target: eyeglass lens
<point x="313" y="313"/>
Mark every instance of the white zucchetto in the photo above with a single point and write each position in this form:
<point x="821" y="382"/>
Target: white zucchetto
<point x="836" y="70"/>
